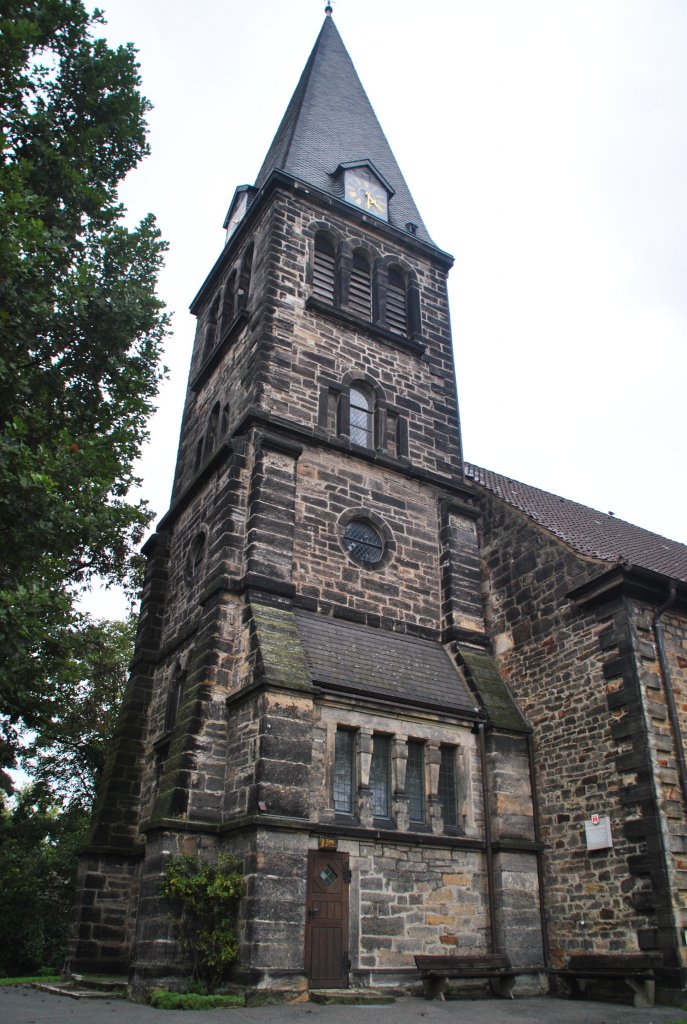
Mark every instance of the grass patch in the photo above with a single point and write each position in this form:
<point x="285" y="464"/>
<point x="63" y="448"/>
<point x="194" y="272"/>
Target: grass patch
<point x="29" y="980"/>
<point x="193" y="1001"/>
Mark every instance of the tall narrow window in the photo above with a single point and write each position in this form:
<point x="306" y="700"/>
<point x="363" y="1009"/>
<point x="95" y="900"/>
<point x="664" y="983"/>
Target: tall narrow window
<point x="174" y="700"/>
<point x="229" y="303"/>
<point x="211" y="328"/>
<point x="361" y="419"/>
<point x="380" y="776"/>
<point x="415" y="780"/>
<point x="244" y="280"/>
<point x="224" y="423"/>
<point x="211" y="432"/>
<point x="324" y="270"/>
<point x="396" y="310"/>
<point x="360" y="287"/>
<point x="343" y="771"/>
<point x="199" y="456"/>
<point x="448" y="793"/>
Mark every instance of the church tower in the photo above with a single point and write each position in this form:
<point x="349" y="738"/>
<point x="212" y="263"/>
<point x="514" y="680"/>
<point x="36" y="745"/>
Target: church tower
<point x="313" y="688"/>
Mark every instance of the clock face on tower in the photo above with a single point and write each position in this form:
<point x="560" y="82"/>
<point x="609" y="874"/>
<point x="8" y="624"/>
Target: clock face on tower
<point x="366" y="192"/>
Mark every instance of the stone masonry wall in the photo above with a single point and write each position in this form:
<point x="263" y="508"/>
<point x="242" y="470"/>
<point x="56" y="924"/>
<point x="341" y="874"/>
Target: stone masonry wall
<point x="553" y="659"/>
<point x="309" y="350"/>
<point x="665" y="755"/>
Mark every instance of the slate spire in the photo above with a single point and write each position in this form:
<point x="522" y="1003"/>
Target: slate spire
<point x="329" y="122"/>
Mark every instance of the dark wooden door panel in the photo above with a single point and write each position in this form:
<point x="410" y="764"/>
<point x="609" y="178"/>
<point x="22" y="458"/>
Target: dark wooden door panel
<point x="326" y="930"/>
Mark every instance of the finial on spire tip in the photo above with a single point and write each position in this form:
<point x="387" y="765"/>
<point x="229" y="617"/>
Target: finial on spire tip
<point x="328" y="10"/>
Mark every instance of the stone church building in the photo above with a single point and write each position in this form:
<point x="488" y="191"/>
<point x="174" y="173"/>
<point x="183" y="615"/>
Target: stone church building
<point x="430" y="709"/>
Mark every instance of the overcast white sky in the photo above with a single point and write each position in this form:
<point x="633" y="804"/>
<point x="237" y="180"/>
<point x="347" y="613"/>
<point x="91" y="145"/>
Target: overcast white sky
<point x="545" y="144"/>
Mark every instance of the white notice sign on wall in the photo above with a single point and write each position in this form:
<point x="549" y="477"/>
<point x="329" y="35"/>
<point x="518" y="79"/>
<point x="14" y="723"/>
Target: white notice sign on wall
<point x="598" y="832"/>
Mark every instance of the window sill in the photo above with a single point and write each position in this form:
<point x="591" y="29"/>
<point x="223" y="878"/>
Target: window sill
<point x="386" y="823"/>
<point x="375" y="330"/>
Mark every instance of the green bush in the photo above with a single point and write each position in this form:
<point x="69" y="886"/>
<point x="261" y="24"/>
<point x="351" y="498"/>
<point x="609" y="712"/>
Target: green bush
<point x="192" y="1001"/>
<point x="203" y="898"/>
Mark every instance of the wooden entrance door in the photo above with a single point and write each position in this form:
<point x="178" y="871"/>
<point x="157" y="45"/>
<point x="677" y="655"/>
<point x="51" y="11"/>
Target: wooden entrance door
<point x="326" y="925"/>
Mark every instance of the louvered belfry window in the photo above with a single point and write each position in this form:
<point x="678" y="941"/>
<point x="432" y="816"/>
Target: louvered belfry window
<point x="360" y="289"/>
<point x="324" y="270"/>
<point x="396" y="310"/>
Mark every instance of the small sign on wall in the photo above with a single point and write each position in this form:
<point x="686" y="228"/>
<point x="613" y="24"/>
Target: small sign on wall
<point x="598" y="832"/>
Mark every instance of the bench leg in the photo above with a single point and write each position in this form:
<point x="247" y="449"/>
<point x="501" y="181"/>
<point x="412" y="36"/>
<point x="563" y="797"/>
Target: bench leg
<point x="578" y="988"/>
<point x="435" y="988"/>
<point x="503" y="986"/>
<point x="645" y="992"/>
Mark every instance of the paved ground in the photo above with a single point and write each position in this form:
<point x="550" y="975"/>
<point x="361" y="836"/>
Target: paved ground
<point x="23" y="1005"/>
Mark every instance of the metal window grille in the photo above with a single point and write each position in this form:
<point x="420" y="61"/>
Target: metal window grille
<point x="380" y="776"/>
<point x="343" y="771"/>
<point x="448" y="794"/>
<point x="415" y="780"/>
<point x="362" y="542"/>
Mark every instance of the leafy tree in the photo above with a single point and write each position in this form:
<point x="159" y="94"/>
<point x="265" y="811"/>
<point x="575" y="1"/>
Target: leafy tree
<point x="67" y="754"/>
<point x="38" y="843"/>
<point x="81" y="331"/>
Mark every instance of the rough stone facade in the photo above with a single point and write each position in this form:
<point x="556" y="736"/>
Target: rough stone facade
<point x="239" y="734"/>
<point x="401" y="742"/>
<point x="584" y="670"/>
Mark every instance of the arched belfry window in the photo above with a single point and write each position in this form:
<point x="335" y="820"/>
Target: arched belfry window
<point x="361" y="416"/>
<point x="244" y="279"/>
<point x="211" y="328"/>
<point x="229" y="302"/>
<point x="324" y="270"/>
<point x="211" y="431"/>
<point x="396" y="303"/>
<point x="174" y="698"/>
<point x="360" y="287"/>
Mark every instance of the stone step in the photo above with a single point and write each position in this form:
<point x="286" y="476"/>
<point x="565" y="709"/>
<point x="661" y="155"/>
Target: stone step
<point x="351" y="997"/>
<point x="86" y="986"/>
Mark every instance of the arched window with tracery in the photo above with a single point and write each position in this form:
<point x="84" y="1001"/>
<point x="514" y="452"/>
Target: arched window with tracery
<point x="360" y="287"/>
<point x="361" y="415"/>
<point x="324" y="269"/>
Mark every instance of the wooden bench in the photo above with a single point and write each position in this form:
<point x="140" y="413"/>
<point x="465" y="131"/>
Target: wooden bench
<point x="635" y="969"/>
<point x="436" y="970"/>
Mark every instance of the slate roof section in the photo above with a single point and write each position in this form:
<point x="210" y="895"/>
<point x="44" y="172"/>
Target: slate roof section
<point x="588" y="531"/>
<point x="372" y="662"/>
<point x="330" y="121"/>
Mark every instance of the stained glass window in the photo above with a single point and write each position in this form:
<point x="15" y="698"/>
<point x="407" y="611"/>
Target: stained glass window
<point x="380" y="776"/>
<point x="415" y="780"/>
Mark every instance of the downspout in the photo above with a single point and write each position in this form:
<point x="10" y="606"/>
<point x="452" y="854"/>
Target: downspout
<point x="487" y="836"/>
<point x="667" y="684"/>
<point x="540" y="852"/>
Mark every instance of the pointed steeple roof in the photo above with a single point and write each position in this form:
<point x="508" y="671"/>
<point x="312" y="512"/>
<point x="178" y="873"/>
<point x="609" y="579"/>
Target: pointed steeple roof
<point x="329" y="122"/>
